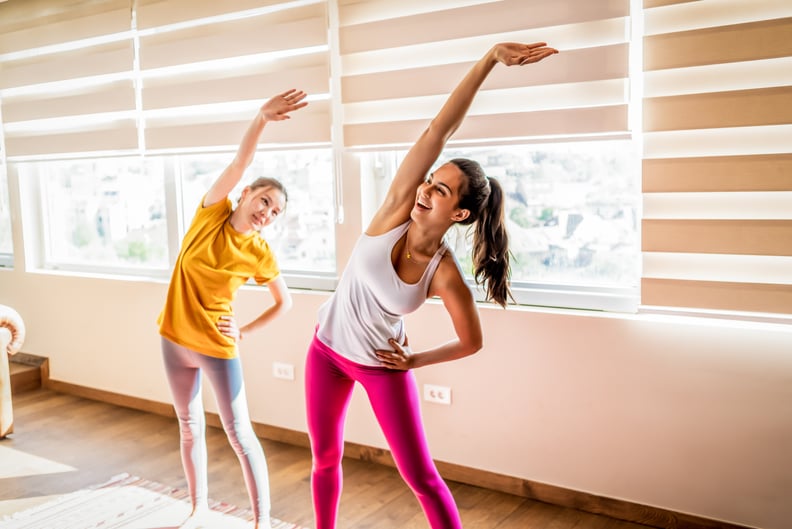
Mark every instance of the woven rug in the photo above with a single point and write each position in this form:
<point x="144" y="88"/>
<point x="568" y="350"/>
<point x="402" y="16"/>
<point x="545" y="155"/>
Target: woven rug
<point x="130" y="502"/>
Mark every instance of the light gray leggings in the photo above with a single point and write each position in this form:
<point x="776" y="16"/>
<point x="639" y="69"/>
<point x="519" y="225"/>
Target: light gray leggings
<point x="183" y="368"/>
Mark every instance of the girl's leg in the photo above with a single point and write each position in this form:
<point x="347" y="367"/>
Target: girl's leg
<point x="184" y="377"/>
<point x="395" y="399"/>
<point x="327" y="395"/>
<point x="229" y="389"/>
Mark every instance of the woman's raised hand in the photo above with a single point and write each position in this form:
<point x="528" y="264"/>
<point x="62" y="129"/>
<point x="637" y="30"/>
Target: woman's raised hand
<point x="278" y="107"/>
<point x="515" y="53"/>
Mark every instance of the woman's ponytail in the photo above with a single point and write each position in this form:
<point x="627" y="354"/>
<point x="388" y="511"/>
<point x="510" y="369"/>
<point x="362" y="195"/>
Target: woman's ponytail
<point x="483" y="197"/>
<point x="491" y="265"/>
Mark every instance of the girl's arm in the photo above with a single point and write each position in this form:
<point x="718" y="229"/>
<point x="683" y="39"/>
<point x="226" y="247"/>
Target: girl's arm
<point x="276" y="109"/>
<point x="282" y="303"/>
<point x="400" y="198"/>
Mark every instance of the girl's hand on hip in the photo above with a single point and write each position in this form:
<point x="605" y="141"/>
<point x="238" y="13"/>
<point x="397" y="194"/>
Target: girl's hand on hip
<point x="400" y="359"/>
<point x="227" y="326"/>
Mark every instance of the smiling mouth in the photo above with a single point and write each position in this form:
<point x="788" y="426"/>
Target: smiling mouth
<point x="421" y="205"/>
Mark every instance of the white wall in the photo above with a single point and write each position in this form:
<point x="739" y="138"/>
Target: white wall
<point x="689" y="415"/>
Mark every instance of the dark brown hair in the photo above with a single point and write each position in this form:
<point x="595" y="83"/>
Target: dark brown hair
<point x="483" y="197"/>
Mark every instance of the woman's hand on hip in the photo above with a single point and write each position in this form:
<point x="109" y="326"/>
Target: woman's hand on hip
<point x="400" y="359"/>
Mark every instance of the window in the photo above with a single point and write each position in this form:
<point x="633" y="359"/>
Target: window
<point x="572" y="213"/>
<point x="112" y="214"/>
<point x="104" y="213"/>
<point x="169" y="78"/>
<point x="538" y="128"/>
<point x="124" y="91"/>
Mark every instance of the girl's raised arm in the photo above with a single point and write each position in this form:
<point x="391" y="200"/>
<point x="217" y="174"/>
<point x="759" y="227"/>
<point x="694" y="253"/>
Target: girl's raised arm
<point x="276" y="108"/>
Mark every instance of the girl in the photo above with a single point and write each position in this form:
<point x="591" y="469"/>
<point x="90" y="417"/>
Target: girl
<point x="220" y="252"/>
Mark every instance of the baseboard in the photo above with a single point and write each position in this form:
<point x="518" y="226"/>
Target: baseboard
<point x="591" y="503"/>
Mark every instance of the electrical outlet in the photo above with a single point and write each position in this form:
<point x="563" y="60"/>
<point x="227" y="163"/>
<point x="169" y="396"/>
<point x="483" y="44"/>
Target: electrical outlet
<point x="283" y="371"/>
<point x="437" y="394"/>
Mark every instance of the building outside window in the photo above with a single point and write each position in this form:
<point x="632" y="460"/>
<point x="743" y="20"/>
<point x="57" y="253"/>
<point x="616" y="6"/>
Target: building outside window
<point x="102" y="213"/>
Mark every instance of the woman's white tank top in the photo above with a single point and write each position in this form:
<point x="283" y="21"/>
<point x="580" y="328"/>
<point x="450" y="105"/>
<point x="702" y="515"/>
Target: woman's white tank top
<point x="369" y="303"/>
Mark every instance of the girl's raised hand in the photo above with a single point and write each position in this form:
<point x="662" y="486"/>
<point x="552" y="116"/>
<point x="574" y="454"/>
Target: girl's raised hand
<point x="515" y="53"/>
<point x="278" y="107"/>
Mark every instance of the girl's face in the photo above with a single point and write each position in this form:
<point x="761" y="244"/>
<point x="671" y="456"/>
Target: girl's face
<point x="437" y="198"/>
<point x="261" y="206"/>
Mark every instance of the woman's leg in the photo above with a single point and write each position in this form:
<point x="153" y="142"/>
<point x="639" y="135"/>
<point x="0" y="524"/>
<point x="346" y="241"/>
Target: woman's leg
<point x="226" y="379"/>
<point x="184" y="377"/>
<point x="395" y="399"/>
<point x="327" y="394"/>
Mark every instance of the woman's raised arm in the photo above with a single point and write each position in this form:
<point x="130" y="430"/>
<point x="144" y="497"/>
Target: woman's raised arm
<point x="401" y="194"/>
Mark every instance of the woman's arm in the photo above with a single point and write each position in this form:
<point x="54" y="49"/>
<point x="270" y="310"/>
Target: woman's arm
<point x="396" y="207"/>
<point x="282" y="303"/>
<point x="276" y="108"/>
<point x="450" y="286"/>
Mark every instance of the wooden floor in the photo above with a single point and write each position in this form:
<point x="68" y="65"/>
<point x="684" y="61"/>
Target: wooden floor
<point x="101" y="440"/>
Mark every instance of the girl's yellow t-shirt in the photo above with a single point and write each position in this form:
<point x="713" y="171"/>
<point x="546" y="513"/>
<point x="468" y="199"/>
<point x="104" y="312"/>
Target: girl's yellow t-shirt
<point x="214" y="261"/>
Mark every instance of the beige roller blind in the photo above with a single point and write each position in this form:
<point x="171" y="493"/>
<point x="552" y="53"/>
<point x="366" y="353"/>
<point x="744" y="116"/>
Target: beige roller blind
<point x="206" y="66"/>
<point x="400" y="60"/>
<point x="66" y="80"/>
<point x="717" y="168"/>
<point x="93" y="77"/>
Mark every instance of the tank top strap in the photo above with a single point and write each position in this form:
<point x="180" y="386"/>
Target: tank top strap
<point x="431" y="268"/>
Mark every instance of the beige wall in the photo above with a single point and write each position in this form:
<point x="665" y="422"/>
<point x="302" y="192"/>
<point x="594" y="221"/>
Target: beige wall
<point x="689" y="415"/>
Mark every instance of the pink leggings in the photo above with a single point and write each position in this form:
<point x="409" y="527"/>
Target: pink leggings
<point x="329" y="379"/>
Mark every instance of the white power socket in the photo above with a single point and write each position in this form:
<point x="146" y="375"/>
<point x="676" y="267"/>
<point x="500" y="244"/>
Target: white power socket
<point x="283" y="370"/>
<point x="437" y="394"/>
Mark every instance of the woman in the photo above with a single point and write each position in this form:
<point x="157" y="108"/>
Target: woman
<point x="220" y="252"/>
<point x="399" y="262"/>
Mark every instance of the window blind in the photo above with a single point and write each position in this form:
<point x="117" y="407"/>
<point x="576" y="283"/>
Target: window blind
<point x="717" y="167"/>
<point x="66" y="76"/>
<point x="207" y="66"/>
<point x="134" y="76"/>
<point x="400" y="60"/>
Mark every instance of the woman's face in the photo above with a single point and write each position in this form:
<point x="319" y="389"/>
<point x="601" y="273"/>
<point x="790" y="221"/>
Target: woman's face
<point x="261" y="206"/>
<point x="437" y="198"/>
